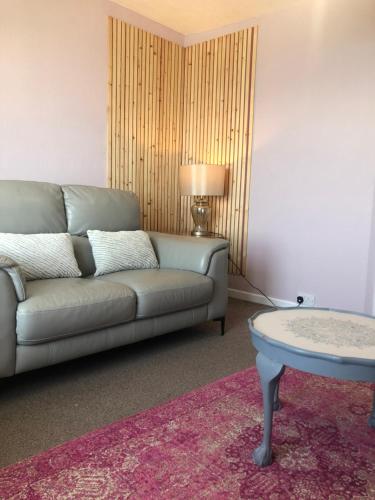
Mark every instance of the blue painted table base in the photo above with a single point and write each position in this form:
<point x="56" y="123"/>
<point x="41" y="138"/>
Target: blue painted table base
<point x="371" y="420"/>
<point x="272" y="358"/>
<point x="270" y="373"/>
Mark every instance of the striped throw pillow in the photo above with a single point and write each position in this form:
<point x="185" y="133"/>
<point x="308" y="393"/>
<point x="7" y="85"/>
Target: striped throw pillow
<point x="41" y="256"/>
<point x="121" y="251"/>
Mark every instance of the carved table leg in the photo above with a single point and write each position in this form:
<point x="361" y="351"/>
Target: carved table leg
<point x="371" y="420"/>
<point x="276" y="398"/>
<point x="270" y="373"/>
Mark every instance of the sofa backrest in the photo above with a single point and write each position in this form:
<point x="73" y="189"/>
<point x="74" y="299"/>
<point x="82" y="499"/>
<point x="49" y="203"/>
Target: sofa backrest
<point x="100" y="208"/>
<point x="28" y="207"/>
<point x="31" y="208"/>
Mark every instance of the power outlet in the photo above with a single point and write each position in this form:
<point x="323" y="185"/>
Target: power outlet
<point x="308" y="299"/>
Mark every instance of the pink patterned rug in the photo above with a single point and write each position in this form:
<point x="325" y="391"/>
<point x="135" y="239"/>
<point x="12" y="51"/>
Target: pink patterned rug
<point x="199" y="445"/>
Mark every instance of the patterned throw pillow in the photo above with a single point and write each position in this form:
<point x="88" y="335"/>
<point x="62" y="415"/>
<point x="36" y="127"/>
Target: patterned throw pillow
<point x="121" y="251"/>
<point x="41" y="256"/>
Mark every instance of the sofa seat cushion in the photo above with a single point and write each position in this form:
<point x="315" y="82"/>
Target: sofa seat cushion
<point x="62" y="307"/>
<point x="162" y="291"/>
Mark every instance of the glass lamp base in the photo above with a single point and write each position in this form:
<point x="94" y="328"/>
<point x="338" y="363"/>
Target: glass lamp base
<point x="200" y="233"/>
<point x="200" y="212"/>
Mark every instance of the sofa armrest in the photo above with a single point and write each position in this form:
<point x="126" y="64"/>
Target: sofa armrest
<point x="186" y="252"/>
<point x="8" y="310"/>
<point x="15" y="273"/>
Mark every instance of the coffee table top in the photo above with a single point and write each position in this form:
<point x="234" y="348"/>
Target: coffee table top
<point x="318" y="332"/>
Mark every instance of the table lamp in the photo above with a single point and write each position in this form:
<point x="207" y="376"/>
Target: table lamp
<point x="201" y="180"/>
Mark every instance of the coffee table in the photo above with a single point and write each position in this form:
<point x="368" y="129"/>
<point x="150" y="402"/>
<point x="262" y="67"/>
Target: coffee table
<point x="327" y="342"/>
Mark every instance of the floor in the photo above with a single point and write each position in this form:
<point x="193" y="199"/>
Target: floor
<point x="47" y="407"/>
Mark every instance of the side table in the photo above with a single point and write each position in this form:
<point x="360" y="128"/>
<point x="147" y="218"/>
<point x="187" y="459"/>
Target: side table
<point x="321" y="341"/>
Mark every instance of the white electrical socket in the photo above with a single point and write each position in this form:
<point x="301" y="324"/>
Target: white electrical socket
<point x="308" y="299"/>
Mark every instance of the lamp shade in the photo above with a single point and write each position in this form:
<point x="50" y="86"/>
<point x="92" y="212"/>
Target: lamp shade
<point x="202" y="180"/>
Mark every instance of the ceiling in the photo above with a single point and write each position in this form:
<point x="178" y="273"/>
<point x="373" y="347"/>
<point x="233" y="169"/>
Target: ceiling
<point x="196" y="16"/>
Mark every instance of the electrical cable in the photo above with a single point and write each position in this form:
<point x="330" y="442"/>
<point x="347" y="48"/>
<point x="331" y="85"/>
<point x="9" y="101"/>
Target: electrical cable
<point x="218" y="235"/>
<point x="256" y="288"/>
<point x="251" y="284"/>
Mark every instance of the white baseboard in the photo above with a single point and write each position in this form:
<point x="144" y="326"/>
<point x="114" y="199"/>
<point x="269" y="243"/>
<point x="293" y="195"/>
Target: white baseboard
<point x="258" y="298"/>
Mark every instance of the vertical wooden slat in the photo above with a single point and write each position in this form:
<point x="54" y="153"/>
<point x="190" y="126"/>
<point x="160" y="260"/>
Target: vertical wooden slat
<point x="169" y="105"/>
<point x="134" y="110"/>
<point x="145" y="81"/>
<point x="236" y="141"/>
<point x="179" y="145"/>
<point x="242" y="149"/>
<point x="109" y="102"/>
<point x="140" y="118"/>
<point x="227" y="138"/>
<point x="127" y="134"/>
<point x="130" y="61"/>
<point x="249" y="139"/>
<point x="156" y="137"/>
<point x="118" y="103"/>
<point x="149" y="121"/>
<point x="121" y="132"/>
<point x="185" y="121"/>
<point x="169" y="142"/>
<point x="113" y="102"/>
<point x="219" y="96"/>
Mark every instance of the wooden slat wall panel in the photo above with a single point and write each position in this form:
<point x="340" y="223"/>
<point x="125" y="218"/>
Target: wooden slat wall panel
<point x="145" y="121"/>
<point x="218" y="109"/>
<point x="169" y="105"/>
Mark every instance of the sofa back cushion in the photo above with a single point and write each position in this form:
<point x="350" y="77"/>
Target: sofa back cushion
<point x="100" y="208"/>
<point x="31" y="207"/>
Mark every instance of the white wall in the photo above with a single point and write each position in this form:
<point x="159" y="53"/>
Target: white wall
<point x="53" y="77"/>
<point x="313" y="169"/>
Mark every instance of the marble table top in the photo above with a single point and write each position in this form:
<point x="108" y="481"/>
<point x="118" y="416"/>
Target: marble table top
<point x="336" y="333"/>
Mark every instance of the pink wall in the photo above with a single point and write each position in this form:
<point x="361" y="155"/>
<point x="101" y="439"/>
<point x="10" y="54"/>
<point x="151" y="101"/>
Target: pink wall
<point x="370" y="292"/>
<point x="313" y="174"/>
<point x="312" y="196"/>
<point x="52" y="111"/>
<point x="53" y="67"/>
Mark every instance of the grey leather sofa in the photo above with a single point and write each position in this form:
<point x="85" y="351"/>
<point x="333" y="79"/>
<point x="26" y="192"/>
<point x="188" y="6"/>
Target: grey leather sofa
<point x="66" y="318"/>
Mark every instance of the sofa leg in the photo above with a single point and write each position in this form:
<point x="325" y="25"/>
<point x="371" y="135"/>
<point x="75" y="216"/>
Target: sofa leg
<point x="222" y="323"/>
